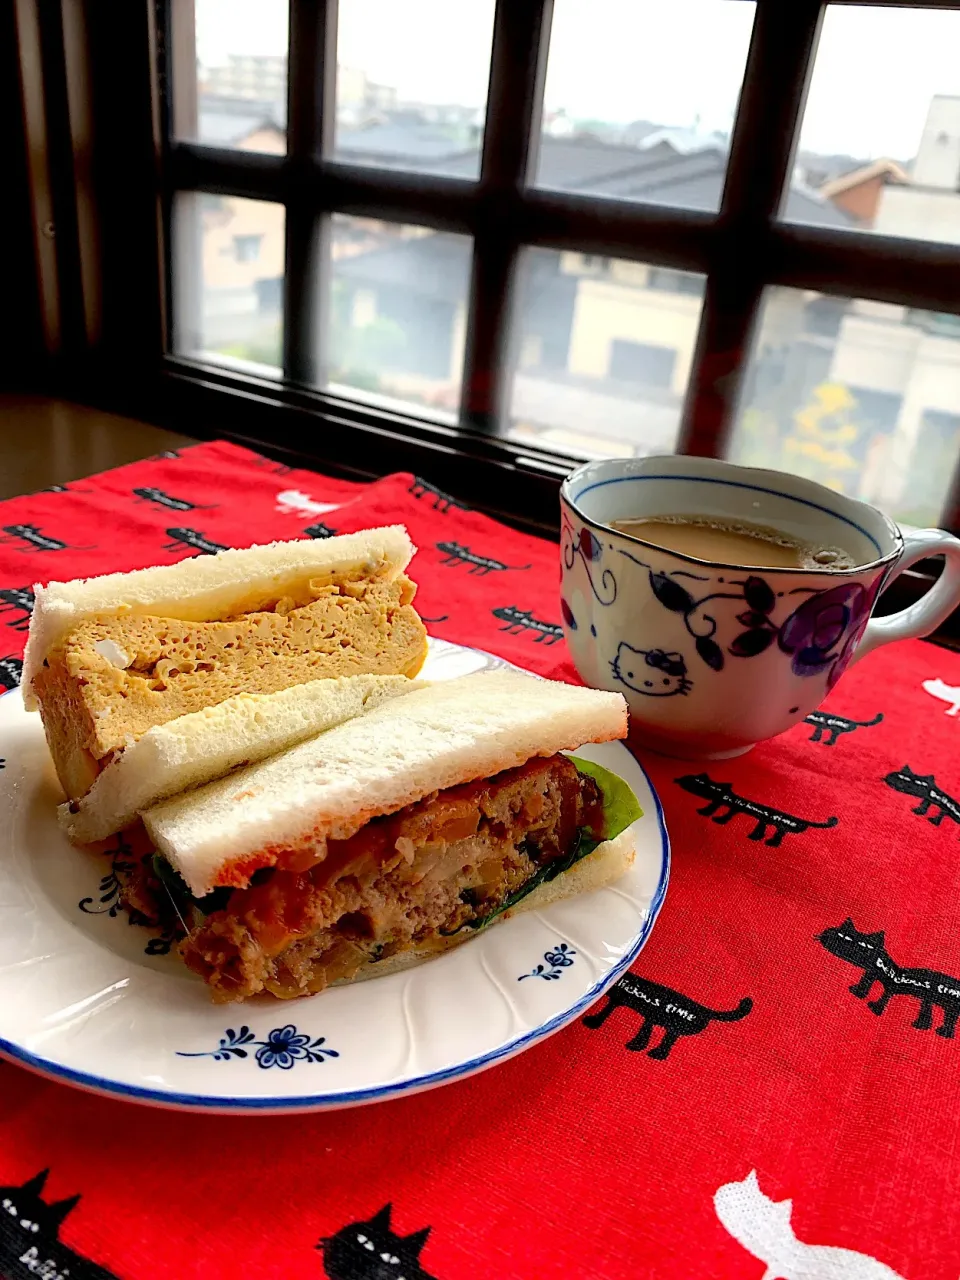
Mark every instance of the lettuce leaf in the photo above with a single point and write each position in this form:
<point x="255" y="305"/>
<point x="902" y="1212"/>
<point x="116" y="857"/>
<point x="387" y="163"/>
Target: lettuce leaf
<point x="620" y="806"/>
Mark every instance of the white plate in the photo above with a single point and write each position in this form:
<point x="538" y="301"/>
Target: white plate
<point x="84" y="1001"/>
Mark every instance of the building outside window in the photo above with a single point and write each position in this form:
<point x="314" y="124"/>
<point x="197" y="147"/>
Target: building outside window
<point x="247" y="248"/>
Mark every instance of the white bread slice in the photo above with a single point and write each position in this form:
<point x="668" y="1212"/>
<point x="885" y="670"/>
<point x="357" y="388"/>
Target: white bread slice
<point x="208" y="588"/>
<point x="608" y="862"/>
<point x="450" y="732"/>
<point x="204" y="745"/>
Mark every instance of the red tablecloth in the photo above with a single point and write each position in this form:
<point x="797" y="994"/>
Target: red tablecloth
<point x="587" y="1156"/>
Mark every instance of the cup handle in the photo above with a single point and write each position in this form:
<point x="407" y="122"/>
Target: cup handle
<point x="925" y="614"/>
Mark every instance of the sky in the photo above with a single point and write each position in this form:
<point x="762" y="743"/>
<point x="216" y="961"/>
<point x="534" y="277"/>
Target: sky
<point x="674" y="62"/>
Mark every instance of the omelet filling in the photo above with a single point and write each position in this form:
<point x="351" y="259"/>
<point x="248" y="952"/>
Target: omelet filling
<point x="113" y="677"/>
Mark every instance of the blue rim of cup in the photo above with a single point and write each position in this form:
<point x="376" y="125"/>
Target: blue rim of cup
<point x="894" y="554"/>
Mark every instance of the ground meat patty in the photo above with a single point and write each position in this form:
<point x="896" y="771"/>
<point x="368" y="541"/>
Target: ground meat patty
<point x="401" y="882"/>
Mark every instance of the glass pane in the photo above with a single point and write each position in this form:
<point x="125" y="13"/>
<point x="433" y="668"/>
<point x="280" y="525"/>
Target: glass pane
<point x="230" y="73"/>
<point x="862" y="396"/>
<point x="640" y="98"/>
<point x="602" y="354"/>
<point x="228" y="280"/>
<point x="879" y="144"/>
<point x="412" y="83"/>
<point x="397" y="312"/>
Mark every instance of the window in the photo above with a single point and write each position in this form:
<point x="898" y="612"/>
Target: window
<point x="823" y="316"/>
<point x="932" y="459"/>
<point x="487" y="239"/>
<point x="227" y="281"/>
<point x="401" y="103"/>
<point x="870" y="409"/>
<point x="642" y="363"/>
<point x="879" y="145"/>
<point x="397" y="312"/>
<point x="640" y="98"/>
<point x="234" y="98"/>
<point x="935" y="322"/>
<point x="674" y="281"/>
<point x="594" y="375"/>
<point x="247" y="248"/>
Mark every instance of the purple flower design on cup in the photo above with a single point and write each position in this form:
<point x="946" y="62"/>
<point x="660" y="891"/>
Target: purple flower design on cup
<point x="823" y="631"/>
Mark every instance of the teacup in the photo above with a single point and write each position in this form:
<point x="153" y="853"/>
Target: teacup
<point x="713" y="658"/>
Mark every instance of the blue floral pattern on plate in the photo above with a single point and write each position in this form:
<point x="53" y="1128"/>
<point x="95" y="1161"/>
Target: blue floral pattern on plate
<point x="560" y="958"/>
<point x="283" y="1047"/>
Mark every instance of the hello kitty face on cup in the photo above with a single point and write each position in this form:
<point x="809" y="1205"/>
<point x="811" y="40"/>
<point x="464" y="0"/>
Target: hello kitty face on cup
<point x="651" y="672"/>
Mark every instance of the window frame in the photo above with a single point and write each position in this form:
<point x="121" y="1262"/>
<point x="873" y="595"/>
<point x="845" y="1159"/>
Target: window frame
<point x="741" y="249"/>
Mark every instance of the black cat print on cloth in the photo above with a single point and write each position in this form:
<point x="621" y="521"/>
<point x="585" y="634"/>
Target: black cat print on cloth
<point x="193" y="539"/>
<point x="521" y="621"/>
<point x="442" y="502"/>
<point x="867" y="951"/>
<point x="833" y="726"/>
<point x="35" y="540"/>
<point x="371" y="1250"/>
<point x="29" y="1237"/>
<point x="278" y="468"/>
<point x="661" y="1007"/>
<point x="19" y="601"/>
<point x="11" y="670"/>
<point x="720" y="796"/>
<point x="454" y="553"/>
<point x="63" y="488"/>
<point x="162" y="499"/>
<point x="923" y="787"/>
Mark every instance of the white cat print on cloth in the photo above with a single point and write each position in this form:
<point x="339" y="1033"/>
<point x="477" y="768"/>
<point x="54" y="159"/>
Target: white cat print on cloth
<point x="294" y="502"/>
<point x="946" y="693"/>
<point x="763" y="1227"/>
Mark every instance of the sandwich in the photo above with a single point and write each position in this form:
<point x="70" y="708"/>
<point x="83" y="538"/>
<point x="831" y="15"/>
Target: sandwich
<point x="395" y="835"/>
<point x="206" y="744"/>
<point x="110" y="660"/>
